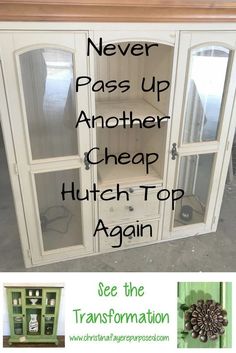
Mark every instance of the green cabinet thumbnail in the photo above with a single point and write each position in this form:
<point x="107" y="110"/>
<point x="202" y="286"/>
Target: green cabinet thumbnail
<point x="33" y="314"/>
<point x="189" y="293"/>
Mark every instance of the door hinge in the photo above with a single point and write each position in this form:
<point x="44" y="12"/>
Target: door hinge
<point x="16" y="169"/>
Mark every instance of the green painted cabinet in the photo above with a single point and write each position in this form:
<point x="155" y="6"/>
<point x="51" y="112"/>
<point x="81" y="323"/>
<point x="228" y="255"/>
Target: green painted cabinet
<point x="33" y="314"/>
<point x="189" y="293"/>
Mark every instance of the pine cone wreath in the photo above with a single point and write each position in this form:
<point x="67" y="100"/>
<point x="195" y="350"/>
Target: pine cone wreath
<point x="206" y="320"/>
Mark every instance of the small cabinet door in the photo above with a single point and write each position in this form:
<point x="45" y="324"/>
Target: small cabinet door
<point x="51" y="298"/>
<point x="189" y="293"/>
<point x="40" y="71"/>
<point x="16" y="310"/>
<point x="200" y="125"/>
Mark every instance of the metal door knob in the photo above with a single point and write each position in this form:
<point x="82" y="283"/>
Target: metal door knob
<point x="206" y="320"/>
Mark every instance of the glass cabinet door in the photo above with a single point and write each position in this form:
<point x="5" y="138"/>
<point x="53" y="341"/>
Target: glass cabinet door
<point x="200" y="128"/>
<point x="17" y="314"/>
<point x="51" y="149"/>
<point x="50" y="314"/>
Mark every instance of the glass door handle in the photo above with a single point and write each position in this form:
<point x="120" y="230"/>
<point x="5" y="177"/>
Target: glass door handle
<point x="86" y="162"/>
<point x="174" y="152"/>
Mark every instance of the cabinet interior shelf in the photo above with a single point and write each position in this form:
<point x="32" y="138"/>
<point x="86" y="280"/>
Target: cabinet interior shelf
<point x="139" y="107"/>
<point x="111" y="174"/>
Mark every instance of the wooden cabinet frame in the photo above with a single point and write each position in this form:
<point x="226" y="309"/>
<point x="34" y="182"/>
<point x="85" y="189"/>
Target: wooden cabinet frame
<point x="20" y="307"/>
<point x="182" y="38"/>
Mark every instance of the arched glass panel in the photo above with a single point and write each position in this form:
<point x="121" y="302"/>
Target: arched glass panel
<point x="208" y="68"/>
<point x="47" y="77"/>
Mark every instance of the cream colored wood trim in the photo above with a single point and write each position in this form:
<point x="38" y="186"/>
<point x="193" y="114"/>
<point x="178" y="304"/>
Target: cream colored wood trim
<point x="13" y="171"/>
<point x="112" y="26"/>
<point x="172" y="169"/>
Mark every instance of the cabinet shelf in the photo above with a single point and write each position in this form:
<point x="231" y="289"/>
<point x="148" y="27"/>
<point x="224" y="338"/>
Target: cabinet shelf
<point x="139" y="107"/>
<point x="126" y="175"/>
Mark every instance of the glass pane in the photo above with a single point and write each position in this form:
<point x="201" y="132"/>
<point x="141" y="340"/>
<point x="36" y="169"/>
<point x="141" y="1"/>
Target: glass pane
<point x="51" y="298"/>
<point x="17" y="309"/>
<point x="17" y="302"/>
<point x="60" y="220"/>
<point x="50" y="310"/>
<point x="194" y="179"/>
<point x="205" y="93"/>
<point x="47" y="76"/>
<point x="49" y="325"/>
<point x="51" y="301"/>
<point x="18" y="325"/>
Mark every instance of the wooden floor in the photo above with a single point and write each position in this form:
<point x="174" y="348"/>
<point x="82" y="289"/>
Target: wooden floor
<point x="61" y="340"/>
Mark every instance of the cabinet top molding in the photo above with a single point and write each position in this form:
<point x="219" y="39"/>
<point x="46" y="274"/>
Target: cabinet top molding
<point x="119" y="10"/>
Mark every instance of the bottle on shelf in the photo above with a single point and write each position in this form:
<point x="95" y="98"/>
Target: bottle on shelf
<point x="52" y="302"/>
<point x="15" y="302"/>
<point x="33" y="324"/>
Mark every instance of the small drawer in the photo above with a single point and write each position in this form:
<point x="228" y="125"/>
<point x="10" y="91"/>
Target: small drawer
<point x="140" y="236"/>
<point x="113" y="212"/>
